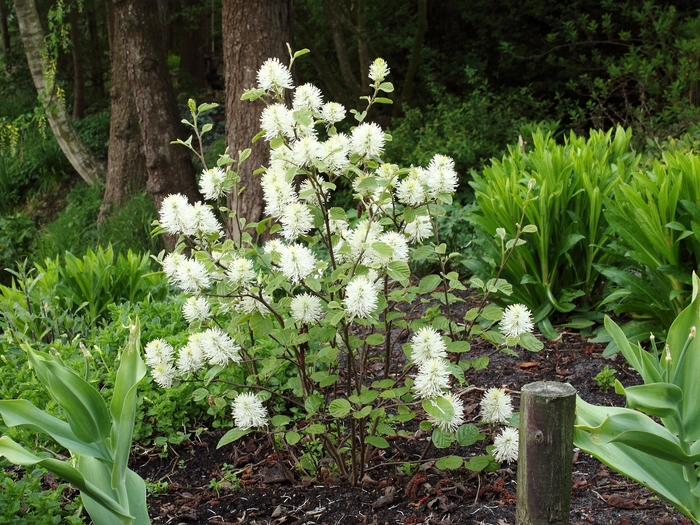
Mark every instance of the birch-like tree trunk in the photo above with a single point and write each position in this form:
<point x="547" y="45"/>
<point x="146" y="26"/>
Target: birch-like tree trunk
<point x="75" y="150"/>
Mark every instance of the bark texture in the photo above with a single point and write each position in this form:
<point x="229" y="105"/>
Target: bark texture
<point x="75" y="150"/>
<point x="78" y="70"/>
<point x="252" y="33"/>
<point x="126" y="161"/>
<point x="169" y="167"/>
<point x="545" y="453"/>
<point x="4" y="32"/>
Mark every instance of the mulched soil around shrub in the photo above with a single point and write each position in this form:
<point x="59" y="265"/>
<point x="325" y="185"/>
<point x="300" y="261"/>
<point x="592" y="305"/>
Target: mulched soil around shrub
<point x="388" y="495"/>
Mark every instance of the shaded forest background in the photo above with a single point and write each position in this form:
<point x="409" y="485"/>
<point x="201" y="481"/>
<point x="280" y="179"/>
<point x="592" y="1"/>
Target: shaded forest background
<point x="471" y="77"/>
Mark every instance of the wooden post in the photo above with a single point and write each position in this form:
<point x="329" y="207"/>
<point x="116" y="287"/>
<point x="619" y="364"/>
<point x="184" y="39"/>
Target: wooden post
<point x="545" y="453"/>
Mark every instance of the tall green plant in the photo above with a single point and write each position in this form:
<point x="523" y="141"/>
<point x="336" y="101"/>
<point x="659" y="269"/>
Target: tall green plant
<point x="655" y="218"/>
<point x="556" y="270"/>
<point x="662" y="454"/>
<point x="97" y="436"/>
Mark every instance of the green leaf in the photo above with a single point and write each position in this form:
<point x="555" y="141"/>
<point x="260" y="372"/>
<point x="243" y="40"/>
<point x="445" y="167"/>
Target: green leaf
<point x="280" y="420"/>
<point x="442" y="439"/>
<point x="233" y="435"/>
<point x="468" y="434"/>
<point x="458" y="347"/>
<point x="449" y="463"/>
<point x="364" y="412"/>
<point x="339" y="408"/>
<point x="656" y="399"/>
<point x="292" y="437"/>
<point x="85" y="410"/>
<point x="439" y="408"/>
<point x="399" y="271"/>
<point x="316" y="428"/>
<point x="478" y="463"/>
<point x="374" y="339"/>
<point x="377" y="441"/>
<point x="383" y="100"/>
<point x="131" y="371"/>
<point x="428" y="283"/>
<point x="530" y="342"/>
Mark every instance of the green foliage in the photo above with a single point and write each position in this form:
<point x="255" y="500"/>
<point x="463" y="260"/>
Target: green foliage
<point x="75" y="229"/>
<point x="94" y="131"/>
<point x="16" y="237"/>
<point x="606" y="378"/>
<point x="560" y="190"/>
<point x="98" y="436"/>
<point x="655" y="218"/>
<point x="23" y="500"/>
<point x="471" y="128"/>
<point x="129" y="227"/>
<point x="662" y="456"/>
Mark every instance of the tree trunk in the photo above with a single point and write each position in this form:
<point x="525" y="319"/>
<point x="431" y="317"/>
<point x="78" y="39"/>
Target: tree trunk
<point x="4" y="32"/>
<point x="169" y="166"/>
<point x="252" y="33"/>
<point x="126" y="162"/>
<point x="78" y="73"/>
<point x="418" y="38"/>
<point x="192" y="39"/>
<point x="78" y="154"/>
<point x="97" y="76"/>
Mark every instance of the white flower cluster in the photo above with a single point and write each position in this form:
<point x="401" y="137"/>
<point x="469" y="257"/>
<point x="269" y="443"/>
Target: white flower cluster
<point x="516" y="320"/>
<point x="429" y="352"/>
<point x="211" y="347"/>
<point x="497" y="408"/>
<point x="248" y="411"/>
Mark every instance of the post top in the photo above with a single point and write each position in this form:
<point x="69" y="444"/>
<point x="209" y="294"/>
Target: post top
<point x="549" y="389"/>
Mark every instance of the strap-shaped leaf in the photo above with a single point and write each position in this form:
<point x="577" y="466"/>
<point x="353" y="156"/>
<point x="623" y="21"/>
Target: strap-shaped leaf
<point x="640" y="360"/>
<point x="131" y="371"/>
<point x="656" y="399"/>
<point x="83" y="405"/>
<point x="20" y="412"/>
<point x="655" y="445"/>
<point x="15" y="453"/>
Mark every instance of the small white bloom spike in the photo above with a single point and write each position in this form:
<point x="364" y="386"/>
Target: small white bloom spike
<point x="248" y="411"/>
<point x="506" y="445"/>
<point x="516" y="321"/>
<point x="496" y="406"/>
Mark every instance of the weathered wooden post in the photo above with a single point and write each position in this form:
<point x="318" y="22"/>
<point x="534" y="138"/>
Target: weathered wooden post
<point x="545" y="453"/>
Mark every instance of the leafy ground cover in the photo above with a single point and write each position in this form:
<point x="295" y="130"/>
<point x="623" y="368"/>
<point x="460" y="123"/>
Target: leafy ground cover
<point x="243" y="482"/>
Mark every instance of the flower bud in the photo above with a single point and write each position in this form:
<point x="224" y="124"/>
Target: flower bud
<point x="692" y="333"/>
<point x="668" y="354"/>
<point x="652" y="338"/>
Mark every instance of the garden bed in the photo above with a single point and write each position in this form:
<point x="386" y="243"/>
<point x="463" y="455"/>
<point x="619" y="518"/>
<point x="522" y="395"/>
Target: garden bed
<point x="398" y="488"/>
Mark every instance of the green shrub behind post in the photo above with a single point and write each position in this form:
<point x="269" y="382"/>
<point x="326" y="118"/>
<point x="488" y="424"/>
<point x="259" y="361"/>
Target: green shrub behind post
<point x="556" y="270"/>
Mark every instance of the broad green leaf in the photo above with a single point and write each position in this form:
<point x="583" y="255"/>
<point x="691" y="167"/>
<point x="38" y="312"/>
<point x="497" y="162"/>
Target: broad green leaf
<point x="85" y="410"/>
<point x="233" y="435"/>
<point x="656" y="399"/>
<point x="131" y="371"/>
<point x="449" y="463"/>
<point x="399" y="271"/>
<point x="442" y="439"/>
<point x="468" y="434"/>
<point x="377" y="441"/>
<point x="339" y="408"/>
<point x="439" y="408"/>
<point x="428" y="283"/>
<point x="280" y="420"/>
<point x="458" y="347"/>
<point x="315" y="428"/>
<point x="292" y="437"/>
<point x="478" y="463"/>
<point x="374" y="339"/>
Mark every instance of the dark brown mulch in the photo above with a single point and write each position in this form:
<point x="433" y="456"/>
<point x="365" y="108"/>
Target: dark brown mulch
<point x="388" y="495"/>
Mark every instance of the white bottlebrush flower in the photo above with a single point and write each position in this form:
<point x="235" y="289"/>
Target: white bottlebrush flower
<point x="420" y="229"/>
<point x="297" y="262"/>
<point x="506" y="445"/>
<point x="218" y="347"/>
<point x="367" y="140"/>
<point x="273" y="246"/>
<point x="306" y="308"/>
<point x="192" y="276"/>
<point x="496" y="406"/>
<point x="248" y="411"/>
<point x="433" y="378"/>
<point x="158" y="351"/>
<point x="378" y="70"/>
<point x="441" y="175"/>
<point x="164" y="374"/>
<point x="309" y="195"/>
<point x="175" y="214"/>
<point x="249" y="305"/>
<point x="190" y="359"/>
<point x="334" y="153"/>
<point x="307" y="96"/>
<point x="274" y="76"/>
<point x="332" y="112"/>
<point x="360" y="297"/>
<point x="516" y="321"/>
<point x="171" y="262"/>
<point x="457" y="419"/>
<point x="202" y="222"/>
<point x="427" y="344"/>
<point x="398" y="245"/>
<point x="240" y="272"/>
<point x="196" y="309"/>
<point x="211" y="183"/>
<point x="277" y="120"/>
<point x="277" y="191"/>
<point x="296" y="220"/>
<point x="410" y="191"/>
<point x="306" y="151"/>
<point x="361" y="238"/>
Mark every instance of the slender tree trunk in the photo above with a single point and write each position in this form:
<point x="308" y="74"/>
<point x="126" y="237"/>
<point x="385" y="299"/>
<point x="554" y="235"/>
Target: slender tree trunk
<point x="78" y="72"/>
<point x="126" y="162"/>
<point x="97" y="73"/>
<point x="252" y="33"/>
<point x="78" y="154"/>
<point x="169" y="166"/>
<point x="192" y="40"/>
<point x="418" y="38"/>
<point x="4" y="32"/>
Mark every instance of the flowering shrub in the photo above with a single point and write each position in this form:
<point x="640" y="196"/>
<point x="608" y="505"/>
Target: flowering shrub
<point x="314" y="318"/>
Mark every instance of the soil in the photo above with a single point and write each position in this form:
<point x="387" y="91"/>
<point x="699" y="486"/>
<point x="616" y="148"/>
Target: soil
<point x="390" y="496"/>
